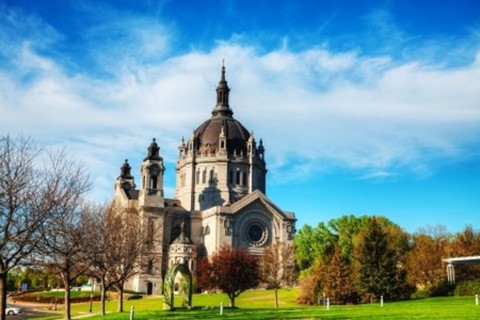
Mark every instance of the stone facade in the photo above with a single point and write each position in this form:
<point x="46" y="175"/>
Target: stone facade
<point x="219" y="198"/>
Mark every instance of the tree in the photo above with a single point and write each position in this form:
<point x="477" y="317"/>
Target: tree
<point x="464" y="244"/>
<point x="115" y="255"/>
<point x="336" y="278"/>
<point x="232" y="271"/>
<point x="98" y="228"/>
<point x="345" y="230"/>
<point x="30" y="196"/>
<point x="277" y="267"/>
<point x="311" y="243"/>
<point x="379" y="264"/>
<point x="62" y="248"/>
<point x="424" y="260"/>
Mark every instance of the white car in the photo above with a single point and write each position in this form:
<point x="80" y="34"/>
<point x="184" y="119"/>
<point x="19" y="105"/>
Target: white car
<point x="11" y="310"/>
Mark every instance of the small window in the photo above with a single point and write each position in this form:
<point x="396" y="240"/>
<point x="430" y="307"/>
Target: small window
<point x="204" y="176"/>
<point x="153" y="182"/>
<point x="150" y="266"/>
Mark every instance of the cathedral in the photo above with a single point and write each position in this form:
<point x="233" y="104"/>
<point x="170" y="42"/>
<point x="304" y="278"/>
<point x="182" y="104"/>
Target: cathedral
<point x="219" y="198"/>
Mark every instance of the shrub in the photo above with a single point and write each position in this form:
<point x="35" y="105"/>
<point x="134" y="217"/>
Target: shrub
<point x="46" y="298"/>
<point x="441" y="289"/>
<point x="467" y="288"/>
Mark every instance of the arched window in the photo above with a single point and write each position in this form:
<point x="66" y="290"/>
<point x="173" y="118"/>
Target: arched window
<point x="197" y="177"/>
<point x="204" y="176"/>
<point x="212" y="175"/>
<point x="237" y="178"/>
<point x="153" y="182"/>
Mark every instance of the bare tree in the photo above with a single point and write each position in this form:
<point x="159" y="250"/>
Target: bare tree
<point x="63" y="242"/>
<point x="30" y="195"/>
<point x="128" y="245"/>
<point x="277" y="267"/>
<point x="98" y="251"/>
<point x="115" y="255"/>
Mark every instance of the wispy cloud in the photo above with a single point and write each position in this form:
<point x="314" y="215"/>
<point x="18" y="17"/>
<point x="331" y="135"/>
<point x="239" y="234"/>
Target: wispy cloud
<point x="377" y="114"/>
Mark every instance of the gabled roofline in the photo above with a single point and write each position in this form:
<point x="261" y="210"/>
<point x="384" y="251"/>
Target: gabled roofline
<point x="258" y="195"/>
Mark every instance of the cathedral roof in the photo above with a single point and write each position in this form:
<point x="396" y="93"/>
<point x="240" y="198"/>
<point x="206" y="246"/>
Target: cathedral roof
<point x="222" y="122"/>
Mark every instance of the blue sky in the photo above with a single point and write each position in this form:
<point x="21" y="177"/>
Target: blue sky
<point x="364" y="107"/>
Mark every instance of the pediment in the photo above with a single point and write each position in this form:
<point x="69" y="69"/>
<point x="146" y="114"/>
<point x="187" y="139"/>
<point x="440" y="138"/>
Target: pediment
<point x="259" y="202"/>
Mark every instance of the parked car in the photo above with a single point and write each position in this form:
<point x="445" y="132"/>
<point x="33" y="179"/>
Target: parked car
<point x="11" y="310"/>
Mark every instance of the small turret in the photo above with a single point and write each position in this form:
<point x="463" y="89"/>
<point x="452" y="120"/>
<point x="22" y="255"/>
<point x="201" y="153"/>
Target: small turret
<point x="182" y="148"/>
<point x="151" y="193"/>
<point x="261" y="150"/>
<point x="125" y="180"/>
<point x="153" y="151"/>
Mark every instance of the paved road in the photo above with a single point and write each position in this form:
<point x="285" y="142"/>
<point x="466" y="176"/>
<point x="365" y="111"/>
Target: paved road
<point x="30" y="313"/>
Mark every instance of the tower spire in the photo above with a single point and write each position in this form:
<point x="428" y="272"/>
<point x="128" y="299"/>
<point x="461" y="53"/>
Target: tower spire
<point x="222" y="107"/>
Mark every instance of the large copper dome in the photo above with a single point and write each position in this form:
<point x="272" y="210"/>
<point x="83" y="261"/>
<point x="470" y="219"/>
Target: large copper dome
<point x="208" y="133"/>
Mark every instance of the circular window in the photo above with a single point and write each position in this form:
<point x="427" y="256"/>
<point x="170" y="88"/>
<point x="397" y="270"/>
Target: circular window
<point x="256" y="233"/>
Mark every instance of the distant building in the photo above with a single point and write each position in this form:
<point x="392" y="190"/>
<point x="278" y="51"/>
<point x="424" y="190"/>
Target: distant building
<point x="219" y="198"/>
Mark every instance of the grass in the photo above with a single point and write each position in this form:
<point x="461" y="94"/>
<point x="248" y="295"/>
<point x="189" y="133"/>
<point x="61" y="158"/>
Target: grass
<point x="259" y="305"/>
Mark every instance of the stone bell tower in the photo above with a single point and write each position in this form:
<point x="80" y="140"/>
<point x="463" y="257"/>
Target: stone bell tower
<point x="151" y="192"/>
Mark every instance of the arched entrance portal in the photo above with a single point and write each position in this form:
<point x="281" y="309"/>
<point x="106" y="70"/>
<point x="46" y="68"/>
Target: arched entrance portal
<point x="169" y="286"/>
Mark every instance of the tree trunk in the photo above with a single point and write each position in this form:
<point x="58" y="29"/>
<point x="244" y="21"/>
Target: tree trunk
<point x="120" y="297"/>
<point x="3" y="294"/>
<point x="66" y="283"/>
<point x="103" y="295"/>
<point x="276" y="297"/>
<point x="232" y="301"/>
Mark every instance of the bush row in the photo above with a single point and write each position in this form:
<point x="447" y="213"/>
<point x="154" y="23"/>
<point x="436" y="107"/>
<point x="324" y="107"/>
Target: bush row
<point x="37" y="298"/>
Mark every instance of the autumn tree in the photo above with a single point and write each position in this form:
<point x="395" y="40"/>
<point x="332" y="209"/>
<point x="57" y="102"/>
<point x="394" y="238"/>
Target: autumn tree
<point x="232" y="271"/>
<point x="466" y="243"/>
<point x="424" y="259"/>
<point x="316" y="247"/>
<point x="277" y="267"/>
<point x="337" y="279"/>
<point x="32" y="194"/>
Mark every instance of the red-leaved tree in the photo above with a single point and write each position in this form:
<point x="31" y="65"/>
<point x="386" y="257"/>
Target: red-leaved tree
<point x="230" y="270"/>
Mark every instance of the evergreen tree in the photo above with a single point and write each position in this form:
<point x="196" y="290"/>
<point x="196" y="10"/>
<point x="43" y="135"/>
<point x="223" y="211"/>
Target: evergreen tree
<point x="379" y="265"/>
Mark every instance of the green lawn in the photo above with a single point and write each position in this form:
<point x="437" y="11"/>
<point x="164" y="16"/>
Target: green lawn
<point x="259" y="305"/>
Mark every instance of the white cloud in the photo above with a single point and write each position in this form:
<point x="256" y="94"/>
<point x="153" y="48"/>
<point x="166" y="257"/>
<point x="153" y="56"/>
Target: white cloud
<point x="373" y="114"/>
